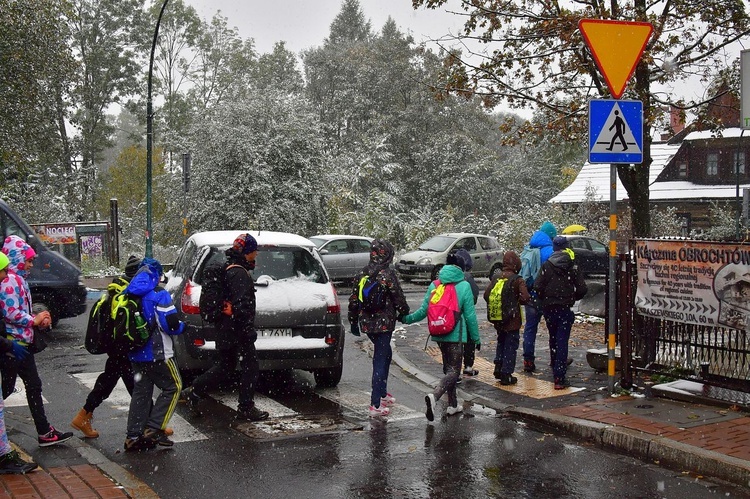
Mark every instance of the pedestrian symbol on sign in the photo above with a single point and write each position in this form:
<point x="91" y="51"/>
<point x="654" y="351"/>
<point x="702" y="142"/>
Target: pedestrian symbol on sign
<point x="616" y="135"/>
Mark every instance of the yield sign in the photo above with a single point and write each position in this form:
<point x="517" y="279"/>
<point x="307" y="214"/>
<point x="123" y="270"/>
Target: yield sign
<point x="617" y="47"/>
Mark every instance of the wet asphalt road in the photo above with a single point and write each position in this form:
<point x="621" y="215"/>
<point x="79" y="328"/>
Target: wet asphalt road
<point x="332" y="449"/>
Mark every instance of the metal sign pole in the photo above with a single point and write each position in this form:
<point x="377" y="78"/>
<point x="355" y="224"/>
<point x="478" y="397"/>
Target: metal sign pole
<point x="612" y="288"/>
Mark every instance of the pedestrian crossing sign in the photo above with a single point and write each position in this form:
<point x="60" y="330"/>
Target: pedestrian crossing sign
<point x="616" y="131"/>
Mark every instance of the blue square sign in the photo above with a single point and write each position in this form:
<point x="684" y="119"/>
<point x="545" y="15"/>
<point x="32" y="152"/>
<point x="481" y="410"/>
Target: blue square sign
<point x="616" y="131"/>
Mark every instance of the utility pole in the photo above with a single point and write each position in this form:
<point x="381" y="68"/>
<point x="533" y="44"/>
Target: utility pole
<point x="150" y="137"/>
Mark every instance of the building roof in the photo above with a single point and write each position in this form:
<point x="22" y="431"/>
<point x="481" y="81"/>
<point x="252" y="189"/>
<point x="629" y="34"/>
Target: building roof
<point x="598" y="176"/>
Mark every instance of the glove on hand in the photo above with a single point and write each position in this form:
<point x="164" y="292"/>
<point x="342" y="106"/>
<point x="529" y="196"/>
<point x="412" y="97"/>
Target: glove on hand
<point x="19" y="351"/>
<point x="355" y="329"/>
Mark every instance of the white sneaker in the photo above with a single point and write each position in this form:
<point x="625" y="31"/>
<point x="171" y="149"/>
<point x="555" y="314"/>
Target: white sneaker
<point x="379" y="411"/>
<point x="454" y="410"/>
<point x="429" y="400"/>
<point x="388" y="400"/>
<point x="470" y="371"/>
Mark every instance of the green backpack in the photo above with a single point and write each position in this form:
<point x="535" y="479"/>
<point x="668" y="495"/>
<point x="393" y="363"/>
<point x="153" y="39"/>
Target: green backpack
<point x="502" y="305"/>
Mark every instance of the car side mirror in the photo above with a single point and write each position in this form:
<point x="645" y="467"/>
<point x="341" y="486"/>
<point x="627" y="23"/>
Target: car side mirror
<point x="323" y="252"/>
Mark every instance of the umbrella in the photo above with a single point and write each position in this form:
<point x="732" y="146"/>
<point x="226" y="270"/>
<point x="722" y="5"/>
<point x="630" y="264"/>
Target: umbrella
<point x="573" y="229"/>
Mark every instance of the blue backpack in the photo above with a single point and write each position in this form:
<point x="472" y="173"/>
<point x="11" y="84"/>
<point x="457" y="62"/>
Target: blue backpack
<point x="531" y="264"/>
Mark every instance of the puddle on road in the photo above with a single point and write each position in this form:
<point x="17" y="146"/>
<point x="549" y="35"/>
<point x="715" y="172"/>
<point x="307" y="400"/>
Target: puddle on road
<point x="295" y="427"/>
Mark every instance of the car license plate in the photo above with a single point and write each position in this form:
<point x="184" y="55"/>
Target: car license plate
<point x="274" y="333"/>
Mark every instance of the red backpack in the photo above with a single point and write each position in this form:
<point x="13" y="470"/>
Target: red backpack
<point x="443" y="312"/>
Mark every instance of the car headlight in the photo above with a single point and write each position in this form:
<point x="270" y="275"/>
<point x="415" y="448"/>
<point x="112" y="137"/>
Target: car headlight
<point x="424" y="261"/>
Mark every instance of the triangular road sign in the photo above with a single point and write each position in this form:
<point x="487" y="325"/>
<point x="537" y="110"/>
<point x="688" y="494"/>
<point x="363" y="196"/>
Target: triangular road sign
<point x="617" y="47"/>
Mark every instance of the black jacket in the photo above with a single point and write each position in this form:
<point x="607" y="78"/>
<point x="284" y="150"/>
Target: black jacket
<point x="240" y="292"/>
<point x="395" y="302"/>
<point x="560" y="284"/>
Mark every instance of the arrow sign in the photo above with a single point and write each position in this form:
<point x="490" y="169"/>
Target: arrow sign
<point x="617" y="47"/>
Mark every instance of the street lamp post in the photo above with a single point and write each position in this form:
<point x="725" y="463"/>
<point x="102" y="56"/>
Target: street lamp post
<point x="150" y="137"/>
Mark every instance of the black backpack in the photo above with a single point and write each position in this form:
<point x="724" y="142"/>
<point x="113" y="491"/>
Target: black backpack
<point x="130" y="331"/>
<point x="371" y="293"/>
<point x="213" y="292"/>
<point x="99" y="330"/>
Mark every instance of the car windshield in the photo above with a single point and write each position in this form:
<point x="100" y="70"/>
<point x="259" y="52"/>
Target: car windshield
<point x="279" y="262"/>
<point x="318" y="241"/>
<point x="437" y="243"/>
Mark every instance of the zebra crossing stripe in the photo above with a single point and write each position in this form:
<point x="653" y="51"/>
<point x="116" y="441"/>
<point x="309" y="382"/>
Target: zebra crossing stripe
<point x="18" y="397"/>
<point x="358" y="402"/>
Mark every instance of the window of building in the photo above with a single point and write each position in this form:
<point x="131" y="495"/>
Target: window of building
<point x="682" y="170"/>
<point x="739" y="162"/>
<point x="712" y="164"/>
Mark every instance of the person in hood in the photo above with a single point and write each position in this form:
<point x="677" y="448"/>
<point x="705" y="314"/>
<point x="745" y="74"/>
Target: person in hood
<point x="236" y="341"/>
<point x="541" y="240"/>
<point x="451" y="344"/>
<point x="462" y="259"/>
<point x="377" y="318"/>
<point x="508" y="330"/>
<point x="21" y="326"/>
<point x="10" y="461"/>
<point x="559" y="286"/>
<point x="117" y="367"/>
<point x="153" y="364"/>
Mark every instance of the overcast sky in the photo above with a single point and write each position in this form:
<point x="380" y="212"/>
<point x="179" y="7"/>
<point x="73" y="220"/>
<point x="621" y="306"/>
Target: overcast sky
<point x="305" y="23"/>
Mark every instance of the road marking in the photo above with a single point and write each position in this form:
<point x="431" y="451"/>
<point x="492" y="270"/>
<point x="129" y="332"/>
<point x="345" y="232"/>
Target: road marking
<point x="18" y="397"/>
<point x="358" y="402"/>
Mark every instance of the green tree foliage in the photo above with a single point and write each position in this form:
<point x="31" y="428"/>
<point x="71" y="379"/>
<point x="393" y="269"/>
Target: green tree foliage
<point x="125" y="182"/>
<point x="534" y="55"/>
<point x="35" y="71"/>
<point x="103" y="42"/>
<point x="257" y="163"/>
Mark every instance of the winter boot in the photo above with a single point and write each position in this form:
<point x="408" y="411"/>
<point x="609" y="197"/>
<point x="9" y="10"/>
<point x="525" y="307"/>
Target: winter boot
<point x="82" y="422"/>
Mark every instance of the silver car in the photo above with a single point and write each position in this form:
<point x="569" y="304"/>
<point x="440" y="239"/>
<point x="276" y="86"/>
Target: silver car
<point x="427" y="260"/>
<point x="344" y="256"/>
<point x="298" y="315"/>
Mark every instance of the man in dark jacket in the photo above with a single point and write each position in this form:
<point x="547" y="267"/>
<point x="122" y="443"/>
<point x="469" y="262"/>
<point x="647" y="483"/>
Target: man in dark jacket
<point x="378" y="322"/>
<point x="237" y="339"/>
<point x="559" y="285"/>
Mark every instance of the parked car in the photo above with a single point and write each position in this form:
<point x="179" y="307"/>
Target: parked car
<point x="343" y="256"/>
<point x="591" y="255"/>
<point x="427" y="260"/>
<point x="298" y="315"/>
<point x="56" y="284"/>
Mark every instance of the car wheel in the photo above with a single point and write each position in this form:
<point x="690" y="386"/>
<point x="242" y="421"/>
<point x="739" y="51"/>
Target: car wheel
<point x="330" y="377"/>
<point x="497" y="269"/>
<point x="435" y="272"/>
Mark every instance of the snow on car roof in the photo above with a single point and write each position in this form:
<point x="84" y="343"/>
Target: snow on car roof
<point x="339" y="236"/>
<point x="264" y="238"/>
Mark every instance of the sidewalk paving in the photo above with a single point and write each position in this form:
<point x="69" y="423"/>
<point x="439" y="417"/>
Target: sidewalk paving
<point x="688" y="435"/>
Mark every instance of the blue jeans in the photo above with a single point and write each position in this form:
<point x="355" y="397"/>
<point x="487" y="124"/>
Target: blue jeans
<point x="505" y="353"/>
<point x="559" y="321"/>
<point x="533" y="316"/>
<point x="381" y="364"/>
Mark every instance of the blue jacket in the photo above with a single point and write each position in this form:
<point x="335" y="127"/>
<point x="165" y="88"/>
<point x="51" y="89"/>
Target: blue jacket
<point x="542" y="241"/>
<point x="467" y="327"/>
<point x="158" y="309"/>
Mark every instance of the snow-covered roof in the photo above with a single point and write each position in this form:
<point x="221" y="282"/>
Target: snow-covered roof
<point x="264" y="238"/>
<point x="598" y="176"/>
<point x="727" y="133"/>
<point x="679" y="189"/>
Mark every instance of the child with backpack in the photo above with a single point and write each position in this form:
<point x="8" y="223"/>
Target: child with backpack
<point x="450" y="286"/>
<point x="462" y="259"/>
<point x="118" y="364"/>
<point x="504" y="296"/>
<point x="377" y="300"/>
<point x="153" y="363"/>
